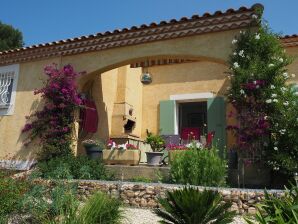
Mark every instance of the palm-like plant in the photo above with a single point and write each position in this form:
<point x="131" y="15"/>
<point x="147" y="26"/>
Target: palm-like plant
<point x="190" y="206"/>
<point x="277" y="210"/>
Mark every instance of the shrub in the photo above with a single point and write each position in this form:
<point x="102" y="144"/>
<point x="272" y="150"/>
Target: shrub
<point x="156" y="142"/>
<point x="275" y="210"/>
<point x="11" y="192"/>
<point x="45" y="205"/>
<point x="266" y="105"/>
<point x="71" y="167"/>
<point x="53" y="125"/>
<point x="199" y="167"/>
<point x="188" y="205"/>
<point x="100" y="209"/>
<point x="61" y="206"/>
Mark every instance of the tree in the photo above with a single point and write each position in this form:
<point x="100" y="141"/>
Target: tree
<point x="10" y="37"/>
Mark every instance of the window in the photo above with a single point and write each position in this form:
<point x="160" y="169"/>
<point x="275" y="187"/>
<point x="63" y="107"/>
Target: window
<point x="8" y="85"/>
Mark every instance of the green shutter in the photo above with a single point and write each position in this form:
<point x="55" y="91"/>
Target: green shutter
<point x="216" y="117"/>
<point x="167" y="117"/>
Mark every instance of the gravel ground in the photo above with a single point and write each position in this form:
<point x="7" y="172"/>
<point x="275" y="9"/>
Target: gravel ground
<point x="146" y="216"/>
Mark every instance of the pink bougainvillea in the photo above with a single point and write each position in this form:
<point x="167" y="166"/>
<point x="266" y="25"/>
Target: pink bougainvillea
<point x="53" y="125"/>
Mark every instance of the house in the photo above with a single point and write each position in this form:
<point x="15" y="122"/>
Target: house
<point x="168" y="76"/>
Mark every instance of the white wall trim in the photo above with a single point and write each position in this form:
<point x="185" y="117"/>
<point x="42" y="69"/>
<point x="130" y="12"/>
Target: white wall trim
<point x="11" y="68"/>
<point x="192" y="96"/>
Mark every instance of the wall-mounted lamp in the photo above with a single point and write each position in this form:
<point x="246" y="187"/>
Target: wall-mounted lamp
<point x="146" y="76"/>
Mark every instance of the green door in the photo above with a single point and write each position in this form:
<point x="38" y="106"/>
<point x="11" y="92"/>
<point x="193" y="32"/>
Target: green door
<point x="216" y="117"/>
<point x="167" y="118"/>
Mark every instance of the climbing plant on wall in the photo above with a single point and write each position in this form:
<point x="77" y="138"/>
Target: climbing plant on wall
<point x="266" y="105"/>
<point x="52" y="126"/>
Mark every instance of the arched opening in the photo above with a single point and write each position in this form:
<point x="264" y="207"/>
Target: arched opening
<point x="127" y="107"/>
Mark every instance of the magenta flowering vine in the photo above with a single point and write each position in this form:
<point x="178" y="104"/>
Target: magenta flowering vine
<point x="53" y="125"/>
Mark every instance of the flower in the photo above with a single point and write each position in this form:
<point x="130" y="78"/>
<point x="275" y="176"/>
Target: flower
<point x="281" y="60"/>
<point x="286" y="103"/>
<point x="257" y="36"/>
<point x="236" y="65"/>
<point x="234" y="41"/>
<point x="269" y="101"/>
<point x="274" y="95"/>
<point x="234" y="53"/>
<point x="242" y="91"/>
<point x="272" y="87"/>
<point x="285" y="75"/>
<point x="275" y="148"/>
<point x="282" y="131"/>
<point x="254" y="16"/>
<point x="270" y="65"/>
<point x="197" y="145"/>
<point x="283" y="89"/>
<point x="275" y="100"/>
<point x="241" y="53"/>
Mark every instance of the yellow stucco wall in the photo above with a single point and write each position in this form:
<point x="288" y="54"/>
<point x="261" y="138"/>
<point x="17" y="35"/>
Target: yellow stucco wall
<point x="30" y="77"/>
<point x="198" y="77"/>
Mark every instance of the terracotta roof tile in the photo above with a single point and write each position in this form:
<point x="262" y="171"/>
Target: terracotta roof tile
<point x="230" y="19"/>
<point x="290" y="40"/>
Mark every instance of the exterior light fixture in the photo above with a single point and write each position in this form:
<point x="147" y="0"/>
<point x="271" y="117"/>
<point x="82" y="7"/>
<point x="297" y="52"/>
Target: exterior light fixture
<point x="146" y="76"/>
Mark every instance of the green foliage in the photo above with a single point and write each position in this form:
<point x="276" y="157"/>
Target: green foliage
<point x="10" y="37"/>
<point x="71" y="167"/>
<point x="278" y="210"/>
<point x="61" y="206"/>
<point x="100" y="209"/>
<point x="156" y="142"/>
<point x="141" y="179"/>
<point x="11" y="191"/>
<point x="45" y="205"/>
<point x="265" y="104"/>
<point x="190" y="206"/>
<point x="202" y="167"/>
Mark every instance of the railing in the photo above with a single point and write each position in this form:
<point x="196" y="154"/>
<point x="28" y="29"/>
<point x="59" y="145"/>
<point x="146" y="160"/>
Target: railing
<point x="6" y="82"/>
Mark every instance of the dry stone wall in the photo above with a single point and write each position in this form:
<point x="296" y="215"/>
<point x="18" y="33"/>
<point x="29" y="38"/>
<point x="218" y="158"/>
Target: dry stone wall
<point x="145" y="195"/>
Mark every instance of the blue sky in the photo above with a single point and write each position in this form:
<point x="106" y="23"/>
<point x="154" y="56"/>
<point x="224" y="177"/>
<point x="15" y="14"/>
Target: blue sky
<point x="44" y="21"/>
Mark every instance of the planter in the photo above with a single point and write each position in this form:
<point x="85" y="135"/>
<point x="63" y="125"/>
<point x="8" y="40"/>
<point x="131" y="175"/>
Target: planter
<point x="93" y="152"/>
<point x="123" y="157"/>
<point x="154" y="158"/>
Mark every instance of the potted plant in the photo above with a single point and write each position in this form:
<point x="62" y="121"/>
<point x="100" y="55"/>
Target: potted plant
<point x="157" y="144"/>
<point x="125" y="154"/>
<point x="93" y="148"/>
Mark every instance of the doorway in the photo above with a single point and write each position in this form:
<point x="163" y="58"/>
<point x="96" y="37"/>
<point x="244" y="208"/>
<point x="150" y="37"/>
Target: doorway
<point x="192" y="119"/>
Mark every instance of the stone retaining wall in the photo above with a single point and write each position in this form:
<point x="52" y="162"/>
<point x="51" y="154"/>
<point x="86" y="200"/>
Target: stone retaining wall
<point x="145" y="195"/>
